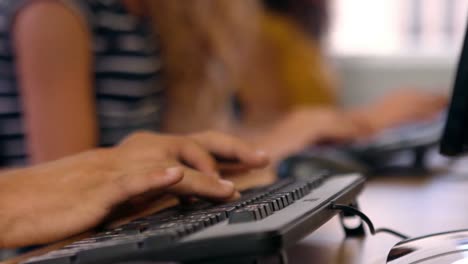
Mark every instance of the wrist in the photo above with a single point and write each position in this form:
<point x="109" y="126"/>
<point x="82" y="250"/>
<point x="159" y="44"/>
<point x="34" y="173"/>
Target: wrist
<point x="9" y="204"/>
<point x="277" y="145"/>
<point x="6" y="227"/>
<point x="99" y="159"/>
<point x="4" y="223"/>
<point x="365" y="120"/>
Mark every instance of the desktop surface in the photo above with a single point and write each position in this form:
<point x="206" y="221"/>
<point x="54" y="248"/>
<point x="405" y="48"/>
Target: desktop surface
<point x="415" y="206"/>
<point x="412" y="205"/>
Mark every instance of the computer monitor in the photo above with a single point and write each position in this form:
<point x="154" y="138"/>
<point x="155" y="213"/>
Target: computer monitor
<point x="455" y="137"/>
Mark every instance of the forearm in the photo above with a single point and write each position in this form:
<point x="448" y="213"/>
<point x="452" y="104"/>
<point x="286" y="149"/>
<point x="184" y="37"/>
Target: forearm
<point x="30" y="198"/>
<point x="8" y="213"/>
<point x="397" y="108"/>
<point x="364" y="118"/>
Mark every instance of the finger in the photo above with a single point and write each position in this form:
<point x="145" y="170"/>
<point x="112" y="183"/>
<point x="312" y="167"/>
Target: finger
<point x="188" y="200"/>
<point x="441" y="101"/>
<point x="132" y="185"/>
<point x="233" y="168"/>
<point x="226" y="146"/>
<point x="236" y="196"/>
<point x="339" y="127"/>
<point x="199" y="158"/>
<point x="339" y="133"/>
<point x="200" y="185"/>
<point x="348" y="131"/>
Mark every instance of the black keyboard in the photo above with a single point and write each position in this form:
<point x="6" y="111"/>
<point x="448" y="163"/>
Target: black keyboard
<point x="421" y="134"/>
<point x="265" y="220"/>
<point x="402" y="149"/>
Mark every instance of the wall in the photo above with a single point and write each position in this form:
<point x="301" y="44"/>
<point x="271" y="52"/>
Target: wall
<point x="365" y="78"/>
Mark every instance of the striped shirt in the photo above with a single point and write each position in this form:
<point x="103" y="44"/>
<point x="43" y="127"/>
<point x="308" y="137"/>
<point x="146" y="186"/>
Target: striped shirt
<point x="126" y="68"/>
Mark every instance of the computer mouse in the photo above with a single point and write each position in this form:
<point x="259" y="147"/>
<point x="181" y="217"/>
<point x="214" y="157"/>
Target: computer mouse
<point x="441" y="248"/>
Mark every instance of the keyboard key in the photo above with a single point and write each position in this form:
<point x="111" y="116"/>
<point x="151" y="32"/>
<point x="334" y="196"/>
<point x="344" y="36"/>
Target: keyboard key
<point x="196" y="225"/>
<point x="262" y="210"/>
<point x="107" y="252"/>
<point x="274" y="204"/>
<point x="267" y="208"/>
<point x="289" y="197"/>
<point x="50" y="260"/>
<point x="281" y="197"/>
<point x="160" y="238"/>
<point x="243" y="215"/>
<point x="226" y="210"/>
<point x="279" y="201"/>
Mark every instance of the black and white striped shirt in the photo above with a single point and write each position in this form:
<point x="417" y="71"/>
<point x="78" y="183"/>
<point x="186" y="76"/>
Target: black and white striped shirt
<point x="127" y="75"/>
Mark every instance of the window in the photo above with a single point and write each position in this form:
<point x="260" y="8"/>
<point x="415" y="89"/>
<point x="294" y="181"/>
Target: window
<point x="388" y="27"/>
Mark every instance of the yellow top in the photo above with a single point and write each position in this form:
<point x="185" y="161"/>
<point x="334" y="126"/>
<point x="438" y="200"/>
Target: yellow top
<point x="300" y="68"/>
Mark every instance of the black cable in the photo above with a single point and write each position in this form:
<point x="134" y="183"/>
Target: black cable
<point x="356" y="212"/>
<point x="392" y="232"/>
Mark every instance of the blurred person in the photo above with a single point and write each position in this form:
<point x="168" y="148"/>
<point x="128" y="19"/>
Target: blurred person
<point x="310" y="16"/>
<point x="299" y="30"/>
<point x="52" y="201"/>
<point x="79" y="74"/>
<point x="211" y="53"/>
<point x="216" y="51"/>
<point x="99" y="70"/>
<point x="294" y="59"/>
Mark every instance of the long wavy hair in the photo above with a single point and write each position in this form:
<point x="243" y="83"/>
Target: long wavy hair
<point x="204" y="45"/>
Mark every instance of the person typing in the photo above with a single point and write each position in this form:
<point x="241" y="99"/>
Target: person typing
<point x="56" y="200"/>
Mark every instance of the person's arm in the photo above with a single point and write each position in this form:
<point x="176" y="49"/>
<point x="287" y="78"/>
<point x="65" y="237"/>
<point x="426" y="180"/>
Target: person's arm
<point x="398" y="107"/>
<point x="53" y="51"/>
<point x="55" y="200"/>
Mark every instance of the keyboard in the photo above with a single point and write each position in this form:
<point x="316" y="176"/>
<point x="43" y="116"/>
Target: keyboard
<point x="401" y="149"/>
<point x="265" y="220"/>
<point x="422" y="134"/>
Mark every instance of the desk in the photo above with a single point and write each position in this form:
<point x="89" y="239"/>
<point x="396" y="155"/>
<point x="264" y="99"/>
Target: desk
<point x="412" y="205"/>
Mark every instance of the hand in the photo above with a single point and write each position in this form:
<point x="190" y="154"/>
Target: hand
<point x="203" y="151"/>
<point x="233" y="155"/>
<point x="56" y="200"/>
<point x="399" y="107"/>
<point x="308" y="126"/>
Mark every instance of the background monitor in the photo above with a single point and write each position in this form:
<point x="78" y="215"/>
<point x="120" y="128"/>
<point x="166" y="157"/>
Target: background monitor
<point x="455" y="137"/>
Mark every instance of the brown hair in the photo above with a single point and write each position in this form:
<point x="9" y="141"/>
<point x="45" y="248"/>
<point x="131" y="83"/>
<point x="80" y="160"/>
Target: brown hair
<point x="204" y="44"/>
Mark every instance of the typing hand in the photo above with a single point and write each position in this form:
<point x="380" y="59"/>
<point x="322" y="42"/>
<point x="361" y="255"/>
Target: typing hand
<point x="233" y="156"/>
<point x="308" y="126"/>
<point x="400" y="107"/>
<point x="56" y="200"/>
